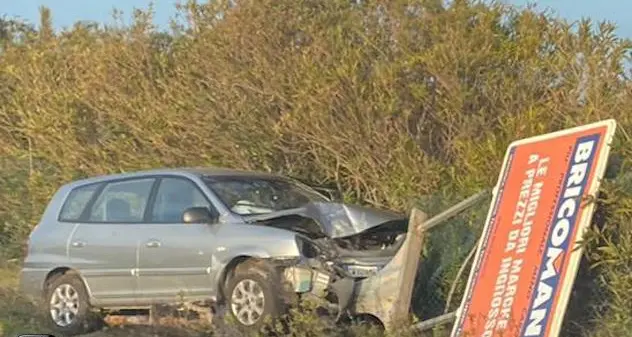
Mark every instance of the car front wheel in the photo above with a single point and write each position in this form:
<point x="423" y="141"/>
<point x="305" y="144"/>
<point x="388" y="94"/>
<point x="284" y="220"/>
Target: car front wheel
<point x="254" y="295"/>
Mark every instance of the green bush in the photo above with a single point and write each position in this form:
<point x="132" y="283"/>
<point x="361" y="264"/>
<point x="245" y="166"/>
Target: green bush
<point x="387" y="100"/>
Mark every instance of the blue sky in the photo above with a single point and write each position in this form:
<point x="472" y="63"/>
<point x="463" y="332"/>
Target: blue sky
<point x="65" y="12"/>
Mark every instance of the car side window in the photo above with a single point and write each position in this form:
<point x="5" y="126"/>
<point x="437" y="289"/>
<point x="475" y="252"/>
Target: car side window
<point x="76" y="201"/>
<point x="173" y="197"/>
<point x="122" y="201"/>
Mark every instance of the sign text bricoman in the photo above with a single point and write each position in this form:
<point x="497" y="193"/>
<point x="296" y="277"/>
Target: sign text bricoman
<point x="527" y="259"/>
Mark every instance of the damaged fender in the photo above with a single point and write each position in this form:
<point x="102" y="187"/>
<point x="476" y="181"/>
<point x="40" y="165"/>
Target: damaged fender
<point x="387" y="295"/>
<point x="384" y="294"/>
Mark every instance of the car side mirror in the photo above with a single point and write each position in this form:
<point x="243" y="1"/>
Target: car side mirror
<point x="198" y="215"/>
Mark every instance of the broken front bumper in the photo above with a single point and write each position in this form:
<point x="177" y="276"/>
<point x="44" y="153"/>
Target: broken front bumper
<point x="304" y="280"/>
<point x="384" y="293"/>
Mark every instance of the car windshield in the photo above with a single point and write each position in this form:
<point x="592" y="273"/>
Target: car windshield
<point x="245" y="195"/>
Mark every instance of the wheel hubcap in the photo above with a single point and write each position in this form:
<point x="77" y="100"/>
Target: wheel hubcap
<point x="64" y="305"/>
<point x="247" y="302"/>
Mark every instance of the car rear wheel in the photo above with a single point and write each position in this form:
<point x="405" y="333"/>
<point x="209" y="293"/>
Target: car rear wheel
<point x="67" y="306"/>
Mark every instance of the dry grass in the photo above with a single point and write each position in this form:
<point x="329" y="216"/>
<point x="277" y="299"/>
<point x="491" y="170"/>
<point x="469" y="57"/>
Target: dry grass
<point x="17" y="314"/>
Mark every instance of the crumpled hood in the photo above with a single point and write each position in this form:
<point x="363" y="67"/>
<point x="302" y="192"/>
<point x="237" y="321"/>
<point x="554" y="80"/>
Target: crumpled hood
<point x="336" y="220"/>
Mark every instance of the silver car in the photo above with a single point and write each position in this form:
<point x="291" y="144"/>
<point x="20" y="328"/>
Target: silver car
<point x="238" y="240"/>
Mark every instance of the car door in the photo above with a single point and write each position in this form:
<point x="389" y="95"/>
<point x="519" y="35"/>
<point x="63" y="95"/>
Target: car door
<point x="104" y="246"/>
<point x="175" y="259"/>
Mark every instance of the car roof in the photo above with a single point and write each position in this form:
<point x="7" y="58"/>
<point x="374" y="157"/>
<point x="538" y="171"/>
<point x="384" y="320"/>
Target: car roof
<point x="183" y="171"/>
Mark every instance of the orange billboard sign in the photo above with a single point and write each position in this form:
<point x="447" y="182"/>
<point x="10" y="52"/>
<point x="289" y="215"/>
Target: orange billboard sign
<point x="527" y="258"/>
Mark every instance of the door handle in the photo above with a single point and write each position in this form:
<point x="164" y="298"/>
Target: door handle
<point x="152" y="244"/>
<point x="78" y="244"/>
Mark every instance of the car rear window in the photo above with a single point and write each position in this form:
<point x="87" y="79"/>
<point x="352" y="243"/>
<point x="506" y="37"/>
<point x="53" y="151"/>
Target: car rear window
<point x="76" y="202"/>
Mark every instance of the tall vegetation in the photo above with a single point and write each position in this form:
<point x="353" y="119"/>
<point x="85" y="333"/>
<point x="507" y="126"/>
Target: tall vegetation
<point x="389" y="101"/>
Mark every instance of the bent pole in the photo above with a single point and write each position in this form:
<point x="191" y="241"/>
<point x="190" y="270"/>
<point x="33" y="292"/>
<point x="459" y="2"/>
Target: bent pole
<point x="455" y="210"/>
<point x="435" y="321"/>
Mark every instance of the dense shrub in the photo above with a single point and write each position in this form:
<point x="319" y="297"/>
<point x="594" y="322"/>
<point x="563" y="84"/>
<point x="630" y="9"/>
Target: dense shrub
<point x="397" y="103"/>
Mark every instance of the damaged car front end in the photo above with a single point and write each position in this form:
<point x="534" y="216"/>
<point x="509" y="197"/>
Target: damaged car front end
<point x="357" y="259"/>
<point x="351" y="256"/>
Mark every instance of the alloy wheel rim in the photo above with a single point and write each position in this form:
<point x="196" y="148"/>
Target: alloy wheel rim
<point x="64" y="305"/>
<point x="247" y="302"/>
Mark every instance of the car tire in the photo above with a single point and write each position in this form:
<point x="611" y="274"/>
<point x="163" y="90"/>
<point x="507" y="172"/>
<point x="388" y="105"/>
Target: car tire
<point x="254" y="296"/>
<point x="68" y="306"/>
<point x="369" y="324"/>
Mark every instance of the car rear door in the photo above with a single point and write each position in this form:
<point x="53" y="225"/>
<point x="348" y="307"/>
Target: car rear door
<point x="175" y="259"/>
<point x="104" y="246"/>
